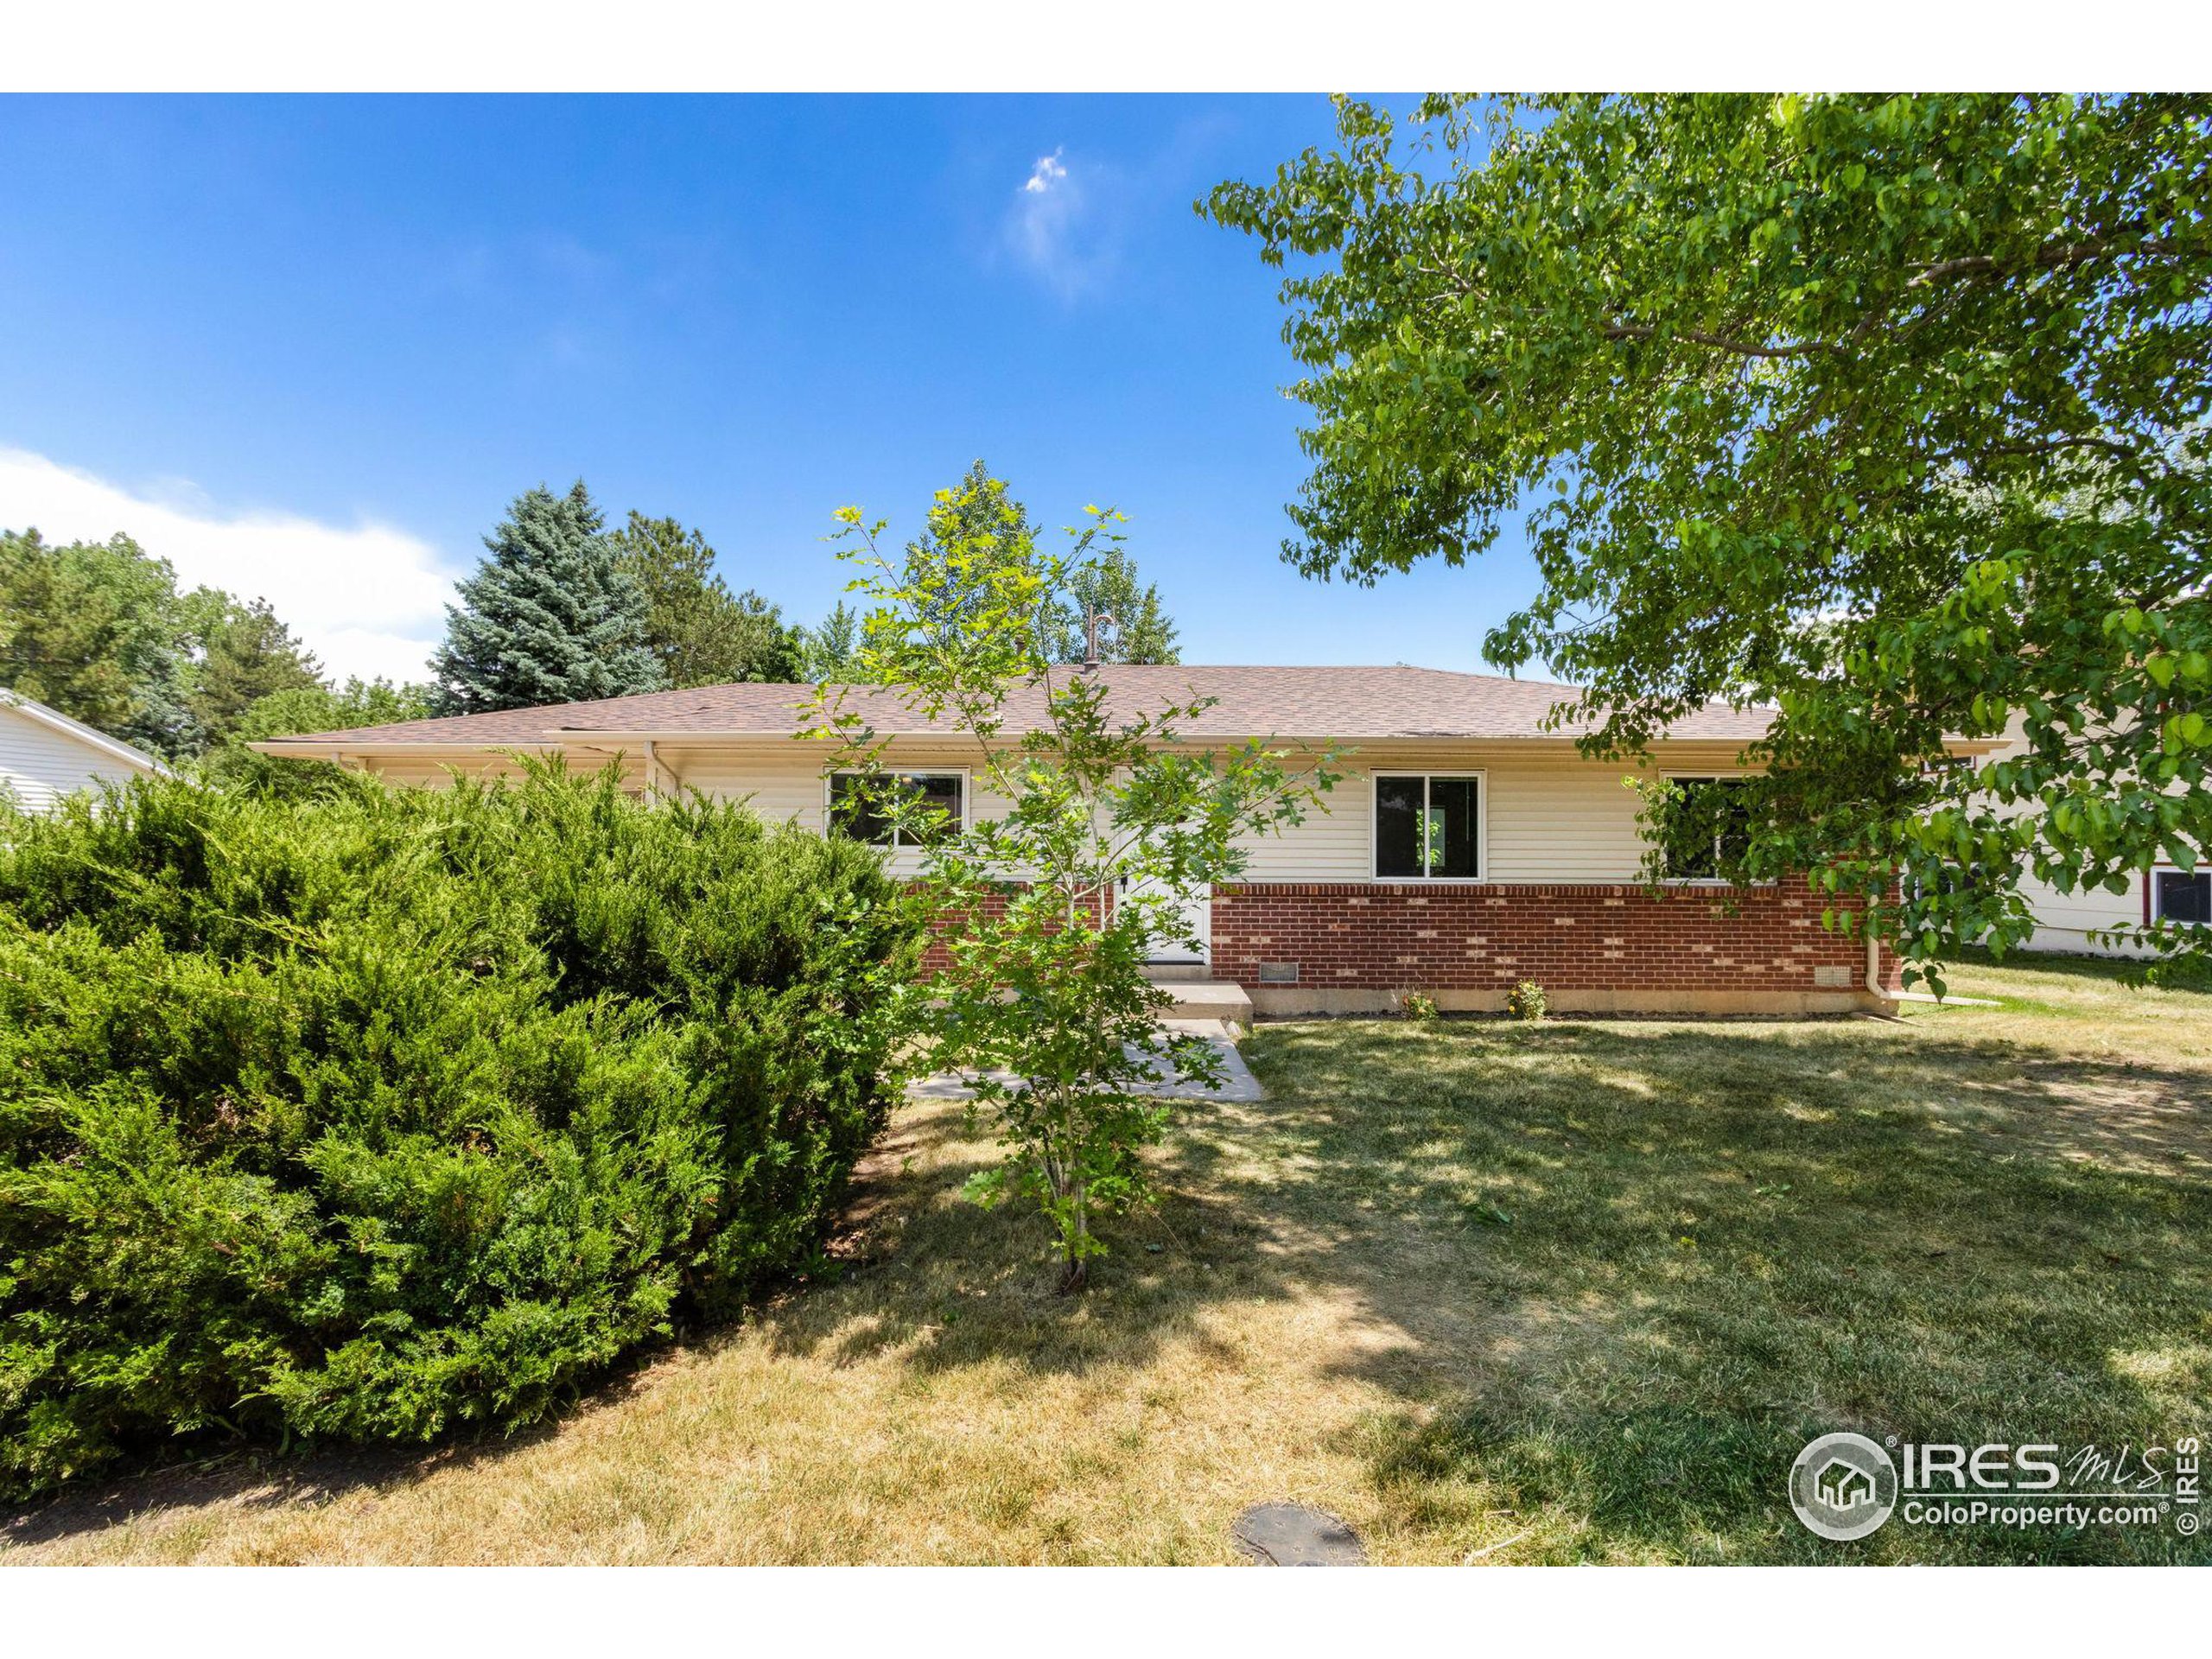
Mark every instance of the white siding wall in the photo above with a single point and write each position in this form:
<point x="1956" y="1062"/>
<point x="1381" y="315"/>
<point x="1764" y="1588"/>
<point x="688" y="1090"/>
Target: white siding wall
<point x="1551" y="815"/>
<point x="1548" y="815"/>
<point x="39" y="766"/>
<point x="2064" y="921"/>
<point x="789" y="780"/>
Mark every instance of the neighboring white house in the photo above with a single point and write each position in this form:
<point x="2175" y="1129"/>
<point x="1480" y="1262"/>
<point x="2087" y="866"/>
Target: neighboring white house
<point x="45" y="755"/>
<point x="2077" y="923"/>
<point x="2082" y="922"/>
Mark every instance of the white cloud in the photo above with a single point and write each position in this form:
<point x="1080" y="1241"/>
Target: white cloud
<point x="1055" y="228"/>
<point x="1048" y="172"/>
<point x="369" y="600"/>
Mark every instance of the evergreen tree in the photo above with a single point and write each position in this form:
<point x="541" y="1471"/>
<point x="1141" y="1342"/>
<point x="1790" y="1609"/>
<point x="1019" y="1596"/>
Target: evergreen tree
<point x="245" y="654"/>
<point x="552" y="615"/>
<point x="701" y="633"/>
<point x="831" y="651"/>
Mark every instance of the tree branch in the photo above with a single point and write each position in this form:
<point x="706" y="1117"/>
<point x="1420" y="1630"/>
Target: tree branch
<point x="2058" y="257"/>
<point x="1741" y="347"/>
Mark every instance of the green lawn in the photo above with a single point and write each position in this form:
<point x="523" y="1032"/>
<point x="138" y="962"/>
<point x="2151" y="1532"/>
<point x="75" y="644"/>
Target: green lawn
<point x="1686" y="1250"/>
<point x="1567" y="1292"/>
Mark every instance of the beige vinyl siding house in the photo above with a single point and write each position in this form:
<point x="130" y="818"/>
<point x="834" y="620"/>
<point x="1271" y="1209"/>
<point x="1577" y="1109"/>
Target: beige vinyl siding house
<point x="1543" y="880"/>
<point x="45" y="756"/>
<point x="1548" y="815"/>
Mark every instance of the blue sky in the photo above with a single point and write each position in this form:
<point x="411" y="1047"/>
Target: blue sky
<point x="314" y="345"/>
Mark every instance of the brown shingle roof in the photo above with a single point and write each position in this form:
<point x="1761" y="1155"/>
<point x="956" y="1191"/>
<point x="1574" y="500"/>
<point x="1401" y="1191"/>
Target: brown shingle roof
<point x="1269" y="702"/>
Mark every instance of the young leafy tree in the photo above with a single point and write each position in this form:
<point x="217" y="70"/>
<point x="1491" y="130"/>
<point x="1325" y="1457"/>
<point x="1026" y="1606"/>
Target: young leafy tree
<point x="552" y="615"/>
<point x="1889" y="412"/>
<point x="981" y="518"/>
<point x="985" y="518"/>
<point x="1061" y="901"/>
<point x="1136" y="627"/>
<point x="96" y="630"/>
<point x="702" y="633"/>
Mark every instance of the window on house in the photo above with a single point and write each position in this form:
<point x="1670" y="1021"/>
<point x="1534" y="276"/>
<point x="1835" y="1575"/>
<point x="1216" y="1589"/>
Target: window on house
<point x="2178" y="896"/>
<point x="1428" y="827"/>
<point x="856" y="811"/>
<point x="1706" y="829"/>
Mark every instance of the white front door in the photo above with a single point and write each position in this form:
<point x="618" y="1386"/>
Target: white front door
<point x="1198" y="917"/>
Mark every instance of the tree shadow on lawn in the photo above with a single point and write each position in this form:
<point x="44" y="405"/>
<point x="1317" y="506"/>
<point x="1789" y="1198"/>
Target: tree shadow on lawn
<point x="1617" y="1275"/>
<point x="1698" y="1246"/>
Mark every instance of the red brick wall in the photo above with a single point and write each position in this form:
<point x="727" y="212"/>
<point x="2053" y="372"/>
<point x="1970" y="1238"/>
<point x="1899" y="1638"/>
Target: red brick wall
<point x="1431" y="936"/>
<point x="934" y="958"/>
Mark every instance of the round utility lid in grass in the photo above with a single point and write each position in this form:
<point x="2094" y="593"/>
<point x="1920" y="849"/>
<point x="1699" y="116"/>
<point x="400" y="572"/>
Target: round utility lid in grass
<point x="1297" y="1535"/>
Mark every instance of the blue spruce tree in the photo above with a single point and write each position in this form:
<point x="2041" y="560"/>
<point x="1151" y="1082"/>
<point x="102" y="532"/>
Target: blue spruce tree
<point x="550" y="615"/>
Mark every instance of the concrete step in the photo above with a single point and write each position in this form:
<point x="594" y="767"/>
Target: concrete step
<point x="1170" y="973"/>
<point x="1208" y="1000"/>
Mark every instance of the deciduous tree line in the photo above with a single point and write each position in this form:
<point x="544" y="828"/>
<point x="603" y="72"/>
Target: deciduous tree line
<point x="561" y="608"/>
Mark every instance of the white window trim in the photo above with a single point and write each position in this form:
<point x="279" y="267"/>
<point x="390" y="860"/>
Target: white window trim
<point x="896" y="843"/>
<point x="1707" y="775"/>
<point x="2158" y="904"/>
<point x="1481" y="780"/>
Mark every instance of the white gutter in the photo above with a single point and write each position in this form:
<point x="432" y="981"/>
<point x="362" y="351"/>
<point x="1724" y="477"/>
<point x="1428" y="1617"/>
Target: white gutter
<point x="292" y="748"/>
<point x="696" y="736"/>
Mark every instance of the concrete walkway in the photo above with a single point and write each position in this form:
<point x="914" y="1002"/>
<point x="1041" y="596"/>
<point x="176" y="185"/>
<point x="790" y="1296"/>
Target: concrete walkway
<point x="1240" y="1083"/>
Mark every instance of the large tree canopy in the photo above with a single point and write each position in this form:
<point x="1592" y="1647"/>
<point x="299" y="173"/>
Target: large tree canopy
<point x="1888" y="412"/>
<point x="100" y="631"/>
<point x="95" y="630"/>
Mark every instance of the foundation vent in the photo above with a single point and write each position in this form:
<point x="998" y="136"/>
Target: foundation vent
<point x="1834" y="978"/>
<point x="1278" y="972"/>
